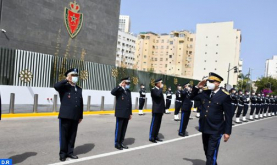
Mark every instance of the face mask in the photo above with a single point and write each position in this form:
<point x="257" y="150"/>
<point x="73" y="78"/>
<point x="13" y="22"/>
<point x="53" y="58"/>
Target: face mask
<point x="253" y="94"/>
<point x="169" y="89"/>
<point x="162" y="85"/>
<point x="74" y="80"/>
<point x="142" y="87"/>
<point x="179" y="88"/>
<point x="127" y="86"/>
<point x="210" y="86"/>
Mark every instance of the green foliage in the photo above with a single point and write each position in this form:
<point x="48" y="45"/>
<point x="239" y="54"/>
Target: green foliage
<point x="244" y="83"/>
<point x="266" y="82"/>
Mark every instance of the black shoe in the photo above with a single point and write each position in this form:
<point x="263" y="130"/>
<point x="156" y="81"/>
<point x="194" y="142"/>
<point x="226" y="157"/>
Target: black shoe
<point x="152" y="140"/>
<point x="245" y="121"/>
<point x="238" y="122"/>
<point x="181" y="134"/>
<point x="62" y="159"/>
<point x="158" y="139"/>
<point x="186" y="134"/>
<point x="118" y="146"/>
<point x="123" y="146"/>
<point x="72" y="156"/>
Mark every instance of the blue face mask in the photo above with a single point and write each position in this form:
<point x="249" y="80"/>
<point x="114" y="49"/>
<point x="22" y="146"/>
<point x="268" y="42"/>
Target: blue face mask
<point x="127" y="86"/>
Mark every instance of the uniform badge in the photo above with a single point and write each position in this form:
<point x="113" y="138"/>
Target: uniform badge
<point x="72" y="19"/>
<point x="68" y="96"/>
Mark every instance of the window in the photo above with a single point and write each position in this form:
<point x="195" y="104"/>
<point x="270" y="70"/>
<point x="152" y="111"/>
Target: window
<point x="205" y="61"/>
<point x="157" y="41"/>
<point x="161" y="59"/>
<point x="206" y="36"/>
<point x="204" y="68"/>
<point x="215" y="60"/>
<point x="205" y="52"/>
<point x="216" y="44"/>
<point x="170" y="56"/>
<point x="145" y="56"/>
<point x="216" y="53"/>
<point x="191" y="39"/>
<point x="171" y="42"/>
<point x="182" y="35"/>
<point x="162" y="41"/>
<point x="171" y="35"/>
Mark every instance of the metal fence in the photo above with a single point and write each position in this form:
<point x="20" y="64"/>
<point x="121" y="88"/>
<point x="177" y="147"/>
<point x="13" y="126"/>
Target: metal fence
<point x="26" y="68"/>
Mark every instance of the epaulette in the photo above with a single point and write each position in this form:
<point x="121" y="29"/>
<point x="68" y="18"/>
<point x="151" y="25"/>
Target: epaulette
<point x="223" y="90"/>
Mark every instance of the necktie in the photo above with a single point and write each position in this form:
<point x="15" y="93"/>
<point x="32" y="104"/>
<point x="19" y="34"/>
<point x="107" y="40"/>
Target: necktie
<point x="212" y="95"/>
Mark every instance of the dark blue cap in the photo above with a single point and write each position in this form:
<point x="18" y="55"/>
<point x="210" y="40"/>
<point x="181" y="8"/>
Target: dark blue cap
<point x="158" y="80"/>
<point x="72" y="71"/>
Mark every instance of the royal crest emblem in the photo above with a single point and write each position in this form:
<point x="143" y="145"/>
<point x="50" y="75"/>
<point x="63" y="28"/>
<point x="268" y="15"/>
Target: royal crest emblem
<point x="73" y="19"/>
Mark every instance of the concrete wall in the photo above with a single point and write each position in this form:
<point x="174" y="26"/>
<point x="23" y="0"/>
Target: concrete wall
<point x="39" y="25"/>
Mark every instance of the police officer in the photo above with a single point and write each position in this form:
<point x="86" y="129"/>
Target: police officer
<point x="178" y="102"/>
<point x="168" y="94"/>
<point x="142" y="96"/>
<point x="240" y="107"/>
<point x="274" y="107"/>
<point x="253" y="99"/>
<point x="186" y="110"/>
<point x="234" y="97"/>
<point x="71" y="112"/>
<point x="216" y="116"/>
<point x="123" y="111"/>
<point x="262" y="105"/>
<point x="270" y="105"/>
<point x="267" y="105"/>
<point x="258" y="106"/>
<point x="158" y="109"/>
<point x="246" y="102"/>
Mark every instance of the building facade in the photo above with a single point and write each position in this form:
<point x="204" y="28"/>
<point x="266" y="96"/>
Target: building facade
<point x="124" y="23"/>
<point x="271" y="67"/>
<point x="39" y="26"/>
<point x="217" y="45"/>
<point x="125" y="55"/>
<point x="171" y="54"/>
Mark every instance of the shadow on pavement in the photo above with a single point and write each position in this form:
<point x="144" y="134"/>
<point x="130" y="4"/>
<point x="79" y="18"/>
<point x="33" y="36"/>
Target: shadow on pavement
<point x="161" y="136"/>
<point x="195" y="161"/>
<point x="197" y="128"/>
<point x="129" y="141"/>
<point x="22" y="157"/>
<point x="83" y="149"/>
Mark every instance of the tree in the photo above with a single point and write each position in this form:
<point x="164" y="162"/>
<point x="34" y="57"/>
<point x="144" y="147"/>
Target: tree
<point x="266" y="83"/>
<point x="244" y="83"/>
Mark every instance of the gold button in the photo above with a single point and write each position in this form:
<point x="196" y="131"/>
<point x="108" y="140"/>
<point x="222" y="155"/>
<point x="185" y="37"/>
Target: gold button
<point x="209" y="101"/>
<point x="205" y="115"/>
<point x="208" y="106"/>
<point x="207" y="111"/>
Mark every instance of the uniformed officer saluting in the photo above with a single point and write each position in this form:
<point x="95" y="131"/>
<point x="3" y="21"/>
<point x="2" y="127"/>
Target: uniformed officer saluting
<point x="123" y="111"/>
<point x="216" y="116"/>
<point x="142" y="96"/>
<point x="168" y="94"/>
<point x="158" y="109"/>
<point x="178" y="102"/>
<point x="186" y="110"/>
<point x="71" y="112"/>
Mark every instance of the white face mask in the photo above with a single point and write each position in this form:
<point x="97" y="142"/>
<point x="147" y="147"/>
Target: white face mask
<point x="210" y="86"/>
<point x="74" y="80"/>
<point x="162" y="85"/>
<point x="127" y="86"/>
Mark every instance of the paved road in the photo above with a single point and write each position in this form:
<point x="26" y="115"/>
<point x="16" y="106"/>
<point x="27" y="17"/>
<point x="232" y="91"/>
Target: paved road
<point x="35" y="141"/>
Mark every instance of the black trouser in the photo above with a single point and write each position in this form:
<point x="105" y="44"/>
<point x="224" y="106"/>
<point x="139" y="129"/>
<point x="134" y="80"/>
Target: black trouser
<point x="68" y="132"/>
<point x="168" y="103"/>
<point x="266" y="108"/>
<point x="274" y="109"/>
<point x="120" y="130"/>
<point x="258" y="108"/>
<point x="178" y="105"/>
<point x="155" y="125"/>
<point x="245" y="109"/>
<point x="253" y="107"/>
<point x="262" y="109"/>
<point x="240" y="108"/>
<point x="141" y="103"/>
<point x="211" y="147"/>
<point x="234" y="107"/>
<point x="184" y="121"/>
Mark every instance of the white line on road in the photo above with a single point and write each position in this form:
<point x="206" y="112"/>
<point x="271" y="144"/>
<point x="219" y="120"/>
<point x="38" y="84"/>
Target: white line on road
<point x="141" y="147"/>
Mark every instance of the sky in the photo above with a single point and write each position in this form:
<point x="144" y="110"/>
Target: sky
<point x="257" y="20"/>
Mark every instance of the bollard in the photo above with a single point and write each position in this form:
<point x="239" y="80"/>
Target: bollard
<point x="55" y="101"/>
<point x="145" y="104"/>
<point x="88" y="104"/>
<point x="136" y="105"/>
<point x="35" y="107"/>
<point x="12" y="99"/>
<point x="102" y="103"/>
<point x="114" y="103"/>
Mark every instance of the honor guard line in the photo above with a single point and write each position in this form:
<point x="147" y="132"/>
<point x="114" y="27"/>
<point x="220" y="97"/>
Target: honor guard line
<point x="141" y="147"/>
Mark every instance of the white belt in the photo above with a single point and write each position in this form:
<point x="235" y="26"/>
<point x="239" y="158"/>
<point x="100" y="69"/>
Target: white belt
<point x="142" y="97"/>
<point x="240" y="105"/>
<point x="178" y="101"/>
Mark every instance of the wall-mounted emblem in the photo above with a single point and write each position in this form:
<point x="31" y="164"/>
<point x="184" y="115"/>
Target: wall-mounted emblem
<point x="73" y="19"/>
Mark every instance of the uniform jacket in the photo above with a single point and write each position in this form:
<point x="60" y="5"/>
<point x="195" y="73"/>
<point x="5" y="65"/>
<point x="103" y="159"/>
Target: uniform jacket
<point x="186" y="102"/>
<point x="123" y="108"/>
<point x="142" y="93"/>
<point x="168" y="94"/>
<point x="158" y="105"/>
<point x="216" y="112"/>
<point x="71" y="100"/>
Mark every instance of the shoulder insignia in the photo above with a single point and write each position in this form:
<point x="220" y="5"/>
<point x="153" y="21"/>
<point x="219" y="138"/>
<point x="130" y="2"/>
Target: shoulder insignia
<point x="205" y="88"/>
<point x="227" y="93"/>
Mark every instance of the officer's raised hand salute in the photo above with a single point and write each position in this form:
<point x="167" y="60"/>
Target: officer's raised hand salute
<point x="71" y="112"/>
<point x="216" y="116"/>
<point x="123" y="111"/>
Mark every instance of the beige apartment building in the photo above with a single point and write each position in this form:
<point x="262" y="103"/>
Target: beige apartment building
<point x="171" y="54"/>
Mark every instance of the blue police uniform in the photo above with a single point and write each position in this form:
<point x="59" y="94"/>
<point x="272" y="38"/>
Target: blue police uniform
<point x="158" y="109"/>
<point x="253" y="100"/>
<point x="71" y="111"/>
<point x="123" y="111"/>
<point x="215" y="118"/>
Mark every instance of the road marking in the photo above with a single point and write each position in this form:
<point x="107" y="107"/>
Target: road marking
<point x="141" y="147"/>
